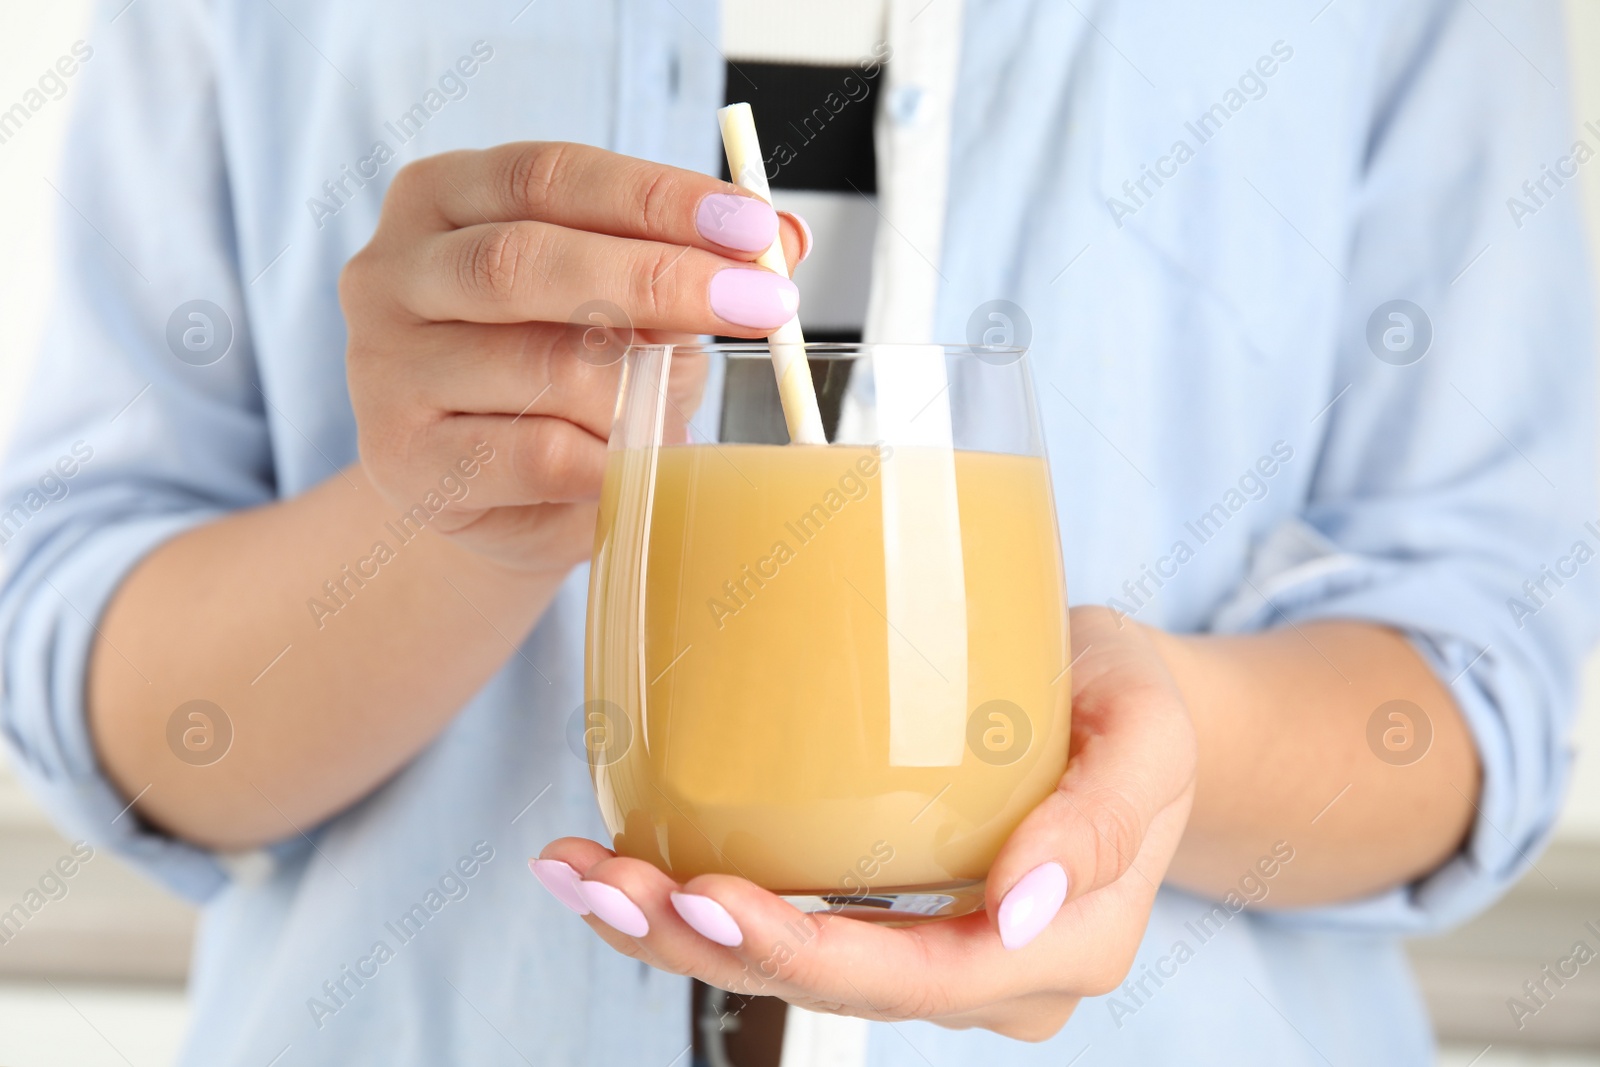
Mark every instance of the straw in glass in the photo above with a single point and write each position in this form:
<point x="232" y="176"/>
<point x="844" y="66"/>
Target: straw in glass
<point x="787" y="343"/>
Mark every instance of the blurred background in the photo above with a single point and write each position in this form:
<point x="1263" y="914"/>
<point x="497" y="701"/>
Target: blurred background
<point x="98" y="977"/>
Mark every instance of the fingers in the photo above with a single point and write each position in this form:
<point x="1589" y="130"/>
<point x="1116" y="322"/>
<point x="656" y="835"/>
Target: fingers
<point x="733" y="935"/>
<point x="833" y="963"/>
<point x="547" y="537"/>
<point x="1132" y="758"/>
<point x="515" y="461"/>
<point x="550" y="248"/>
<point x="538" y="231"/>
<point x="584" y="188"/>
<point x="534" y="271"/>
<point x="450" y="368"/>
<point x="526" y="369"/>
<point x="1090" y="946"/>
<point x="797" y="238"/>
<point x="561" y="865"/>
<point x="1069" y="895"/>
<point x="629" y="904"/>
<point x="739" y="937"/>
<point x="500" y="416"/>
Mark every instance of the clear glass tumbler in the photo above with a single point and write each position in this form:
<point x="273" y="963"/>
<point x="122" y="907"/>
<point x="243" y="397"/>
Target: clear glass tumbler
<point x="841" y="670"/>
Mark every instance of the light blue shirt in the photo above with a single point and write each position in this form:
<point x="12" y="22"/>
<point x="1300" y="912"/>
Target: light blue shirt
<point x="1184" y="327"/>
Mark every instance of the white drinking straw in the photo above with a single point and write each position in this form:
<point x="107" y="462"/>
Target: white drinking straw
<point x="787" y="343"/>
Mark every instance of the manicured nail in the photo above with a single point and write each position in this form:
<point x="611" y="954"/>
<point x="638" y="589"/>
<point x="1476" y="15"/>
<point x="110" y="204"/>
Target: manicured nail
<point x="1031" y="904"/>
<point x="612" y="907"/>
<point x="758" y="299"/>
<point x="709" y="919"/>
<point x="747" y="223"/>
<point x="806" y="239"/>
<point x="562" y="881"/>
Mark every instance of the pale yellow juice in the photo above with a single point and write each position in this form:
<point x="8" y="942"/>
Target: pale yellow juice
<point x="841" y="669"/>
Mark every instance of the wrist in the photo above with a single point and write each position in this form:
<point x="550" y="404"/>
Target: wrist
<point x="1182" y="656"/>
<point x="1199" y="673"/>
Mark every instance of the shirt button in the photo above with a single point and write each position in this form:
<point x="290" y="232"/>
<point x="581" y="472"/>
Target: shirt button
<point x="905" y="104"/>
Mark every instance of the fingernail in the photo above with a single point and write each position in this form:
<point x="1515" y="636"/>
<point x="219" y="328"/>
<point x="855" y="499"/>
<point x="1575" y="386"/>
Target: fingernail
<point x="757" y="299"/>
<point x="806" y="239"/>
<point x="747" y="223"/>
<point x="612" y="907"/>
<point x="562" y="881"/>
<point x="1031" y="904"/>
<point x="709" y="919"/>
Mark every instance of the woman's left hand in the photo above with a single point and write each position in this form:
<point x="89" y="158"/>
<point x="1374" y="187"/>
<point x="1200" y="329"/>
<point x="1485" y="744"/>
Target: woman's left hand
<point x="1067" y="902"/>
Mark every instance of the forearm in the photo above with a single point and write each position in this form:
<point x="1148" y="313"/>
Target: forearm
<point x="1282" y="725"/>
<point x="355" y="694"/>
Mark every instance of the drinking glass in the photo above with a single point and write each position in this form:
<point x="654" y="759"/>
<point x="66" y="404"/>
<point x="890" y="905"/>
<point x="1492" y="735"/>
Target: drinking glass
<point x="839" y="671"/>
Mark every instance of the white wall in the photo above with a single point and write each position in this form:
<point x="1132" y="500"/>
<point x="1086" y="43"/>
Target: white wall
<point x="1582" y="819"/>
<point x="32" y="36"/>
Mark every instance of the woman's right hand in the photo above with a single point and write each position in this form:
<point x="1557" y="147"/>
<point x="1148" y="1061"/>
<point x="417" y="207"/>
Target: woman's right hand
<point x="491" y="308"/>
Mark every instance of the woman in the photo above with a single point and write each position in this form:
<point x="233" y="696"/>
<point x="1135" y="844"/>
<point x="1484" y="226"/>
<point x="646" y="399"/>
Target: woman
<point x="1309" y="382"/>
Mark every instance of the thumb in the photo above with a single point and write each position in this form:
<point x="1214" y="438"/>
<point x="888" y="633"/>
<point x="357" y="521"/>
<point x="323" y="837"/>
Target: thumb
<point x="1132" y="756"/>
<point x="796" y="237"/>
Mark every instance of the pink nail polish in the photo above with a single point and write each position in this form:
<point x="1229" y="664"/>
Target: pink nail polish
<point x="1031" y="904"/>
<point x="757" y="299"/>
<point x="807" y="240"/>
<point x="709" y="919"/>
<point x="562" y="881"/>
<point x="746" y="223"/>
<point x="612" y="907"/>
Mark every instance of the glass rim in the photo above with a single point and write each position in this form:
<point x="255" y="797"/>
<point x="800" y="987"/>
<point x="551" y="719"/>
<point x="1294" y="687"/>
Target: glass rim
<point x="835" y="349"/>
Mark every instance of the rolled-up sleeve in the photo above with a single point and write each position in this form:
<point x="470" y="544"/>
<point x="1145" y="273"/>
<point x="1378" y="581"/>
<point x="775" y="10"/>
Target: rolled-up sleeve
<point x="1453" y="497"/>
<point x="142" y="421"/>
